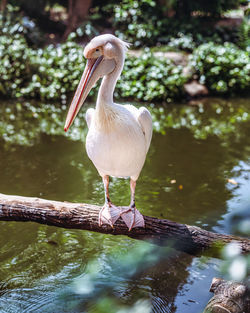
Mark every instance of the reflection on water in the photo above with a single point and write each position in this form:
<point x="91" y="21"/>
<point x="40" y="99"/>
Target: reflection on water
<point x="195" y="150"/>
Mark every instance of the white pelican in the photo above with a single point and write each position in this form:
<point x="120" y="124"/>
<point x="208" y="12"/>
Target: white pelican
<point x="119" y="136"/>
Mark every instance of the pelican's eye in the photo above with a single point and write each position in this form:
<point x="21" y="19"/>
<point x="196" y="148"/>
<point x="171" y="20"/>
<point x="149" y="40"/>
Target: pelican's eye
<point x="97" y="50"/>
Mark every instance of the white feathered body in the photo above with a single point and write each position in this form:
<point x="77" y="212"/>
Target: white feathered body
<point x="118" y="139"/>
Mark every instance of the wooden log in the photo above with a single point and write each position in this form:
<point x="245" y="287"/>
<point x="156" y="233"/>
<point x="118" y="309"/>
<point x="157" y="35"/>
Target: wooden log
<point x="229" y="297"/>
<point x="190" y="239"/>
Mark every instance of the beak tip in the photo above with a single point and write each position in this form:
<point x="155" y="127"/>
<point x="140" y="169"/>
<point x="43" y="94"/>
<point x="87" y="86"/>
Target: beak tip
<point x="65" y="129"/>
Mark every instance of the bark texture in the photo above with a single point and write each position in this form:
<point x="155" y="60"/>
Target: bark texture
<point x="229" y="297"/>
<point x="77" y="12"/>
<point x="3" y="5"/>
<point x="190" y="239"/>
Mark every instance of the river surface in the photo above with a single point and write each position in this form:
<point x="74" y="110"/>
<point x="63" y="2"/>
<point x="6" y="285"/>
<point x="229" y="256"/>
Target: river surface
<point x="197" y="172"/>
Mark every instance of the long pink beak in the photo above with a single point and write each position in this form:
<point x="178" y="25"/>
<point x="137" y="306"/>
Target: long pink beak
<point x="82" y="90"/>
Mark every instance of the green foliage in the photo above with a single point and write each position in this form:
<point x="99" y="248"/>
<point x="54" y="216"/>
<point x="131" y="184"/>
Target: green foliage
<point x="22" y="122"/>
<point x="223" y="69"/>
<point x="199" y="31"/>
<point x="141" y="21"/>
<point x="58" y="70"/>
<point x="15" y="64"/>
<point x="183" y="35"/>
<point x="12" y="23"/>
<point x="48" y="73"/>
<point x="147" y="78"/>
<point x="244" y="34"/>
<point x="209" y="117"/>
<point x="53" y="72"/>
<point x="144" y="23"/>
<point x="182" y="42"/>
<point x="212" y="7"/>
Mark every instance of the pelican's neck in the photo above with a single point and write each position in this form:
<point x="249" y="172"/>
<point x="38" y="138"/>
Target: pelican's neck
<point x="106" y="91"/>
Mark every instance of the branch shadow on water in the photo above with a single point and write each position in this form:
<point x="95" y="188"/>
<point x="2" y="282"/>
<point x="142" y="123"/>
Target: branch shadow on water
<point x="128" y="282"/>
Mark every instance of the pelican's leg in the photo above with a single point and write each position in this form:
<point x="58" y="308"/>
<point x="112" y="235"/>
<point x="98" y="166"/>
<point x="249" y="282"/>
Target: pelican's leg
<point x="131" y="216"/>
<point x="109" y="213"/>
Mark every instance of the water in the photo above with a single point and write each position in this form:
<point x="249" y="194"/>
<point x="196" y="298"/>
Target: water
<point x="194" y="152"/>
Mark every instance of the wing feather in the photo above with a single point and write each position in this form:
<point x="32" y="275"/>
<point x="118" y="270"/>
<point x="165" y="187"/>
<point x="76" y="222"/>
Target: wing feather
<point x="144" y="119"/>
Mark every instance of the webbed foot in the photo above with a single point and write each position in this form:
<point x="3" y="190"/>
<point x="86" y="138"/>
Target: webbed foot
<point x="132" y="217"/>
<point x="109" y="214"/>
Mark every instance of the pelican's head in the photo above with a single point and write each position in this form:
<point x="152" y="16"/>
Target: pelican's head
<point x="103" y="53"/>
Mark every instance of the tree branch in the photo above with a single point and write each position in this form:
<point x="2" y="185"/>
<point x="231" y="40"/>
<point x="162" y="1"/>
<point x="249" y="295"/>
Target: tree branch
<point x="190" y="239"/>
<point x="229" y="297"/>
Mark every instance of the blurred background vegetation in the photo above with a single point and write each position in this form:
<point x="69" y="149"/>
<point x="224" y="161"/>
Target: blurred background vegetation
<point x="41" y="53"/>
